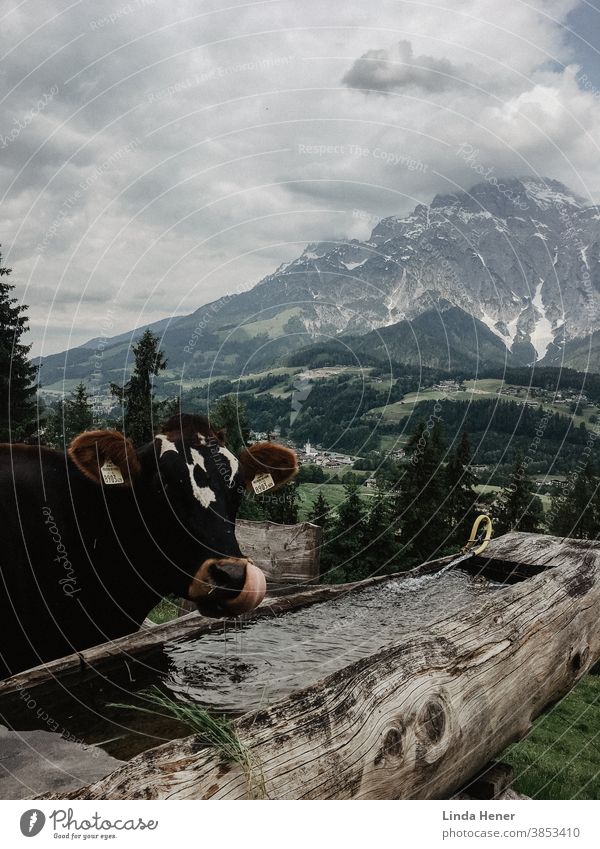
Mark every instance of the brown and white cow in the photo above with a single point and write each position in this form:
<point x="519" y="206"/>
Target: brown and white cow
<point x="92" y="539"/>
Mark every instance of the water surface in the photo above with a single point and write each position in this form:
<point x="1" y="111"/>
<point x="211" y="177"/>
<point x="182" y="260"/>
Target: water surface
<point x="248" y="666"/>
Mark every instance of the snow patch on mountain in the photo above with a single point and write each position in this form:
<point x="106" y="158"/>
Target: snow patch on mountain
<point x="512" y="328"/>
<point x="542" y="335"/>
<point x="547" y="194"/>
<point x="491" y="324"/>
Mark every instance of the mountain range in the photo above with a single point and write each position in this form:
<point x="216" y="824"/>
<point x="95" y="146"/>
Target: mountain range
<point x="508" y="272"/>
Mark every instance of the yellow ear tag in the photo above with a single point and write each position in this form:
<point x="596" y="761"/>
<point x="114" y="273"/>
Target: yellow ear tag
<point x="261" y="483"/>
<point x="111" y="473"/>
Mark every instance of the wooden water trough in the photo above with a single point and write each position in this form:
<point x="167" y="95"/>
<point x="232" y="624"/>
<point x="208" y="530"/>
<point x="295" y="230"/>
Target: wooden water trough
<point x="416" y="720"/>
<point x="289" y="555"/>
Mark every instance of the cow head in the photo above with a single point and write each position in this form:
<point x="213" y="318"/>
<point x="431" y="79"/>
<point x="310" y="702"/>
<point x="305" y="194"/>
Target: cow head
<point x="194" y="486"/>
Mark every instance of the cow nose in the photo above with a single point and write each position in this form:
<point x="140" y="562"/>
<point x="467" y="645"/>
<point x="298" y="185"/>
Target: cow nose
<point x="227" y="586"/>
<point x="252" y="593"/>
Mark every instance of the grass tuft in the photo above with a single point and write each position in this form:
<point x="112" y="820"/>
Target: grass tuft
<point x="213" y="730"/>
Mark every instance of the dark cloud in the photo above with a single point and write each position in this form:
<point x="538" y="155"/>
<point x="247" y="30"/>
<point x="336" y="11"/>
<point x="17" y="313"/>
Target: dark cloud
<point x="398" y="68"/>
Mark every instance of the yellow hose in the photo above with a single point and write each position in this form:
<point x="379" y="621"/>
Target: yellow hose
<point x="480" y="520"/>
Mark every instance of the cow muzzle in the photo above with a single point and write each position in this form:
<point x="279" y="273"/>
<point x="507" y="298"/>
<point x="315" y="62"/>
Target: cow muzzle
<point x="227" y="587"/>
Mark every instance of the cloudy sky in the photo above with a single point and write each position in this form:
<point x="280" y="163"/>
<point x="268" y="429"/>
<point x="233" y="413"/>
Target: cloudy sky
<point x="154" y="154"/>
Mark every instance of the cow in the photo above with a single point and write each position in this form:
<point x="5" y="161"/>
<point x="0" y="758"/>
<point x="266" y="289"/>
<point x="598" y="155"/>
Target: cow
<point x="92" y="538"/>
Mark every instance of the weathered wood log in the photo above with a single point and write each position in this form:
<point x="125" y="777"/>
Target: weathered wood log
<point x="287" y="554"/>
<point x="417" y="720"/>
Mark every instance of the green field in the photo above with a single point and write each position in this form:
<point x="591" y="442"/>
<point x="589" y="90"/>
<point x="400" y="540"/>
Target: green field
<point x="391" y="442"/>
<point x="560" y="759"/>
<point x="485" y="489"/>
<point x="273" y="326"/>
<point x="333" y="492"/>
<point x="476" y="390"/>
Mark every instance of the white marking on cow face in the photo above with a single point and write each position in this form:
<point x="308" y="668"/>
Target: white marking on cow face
<point x="201" y="439"/>
<point x="233" y="463"/>
<point x="203" y="494"/>
<point x="166" y="444"/>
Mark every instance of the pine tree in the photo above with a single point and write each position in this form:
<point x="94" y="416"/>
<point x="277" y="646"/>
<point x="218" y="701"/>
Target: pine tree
<point x="282" y="506"/>
<point x="18" y="375"/>
<point x="347" y="539"/>
<point x="70" y="416"/>
<point x="424" y="520"/>
<point x="519" y="509"/>
<point x="461" y="494"/>
<point x="320" y="512"/>
<point x="382" y="548"/>
<point x="79" y="414"/>
<point x="229" y="415"/>
<point x="250" y="509"/>
<point x="141" y="410"/>
<point x="575" y="513"/>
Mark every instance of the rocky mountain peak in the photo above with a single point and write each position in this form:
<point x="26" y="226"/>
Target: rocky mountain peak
<point x="521" y="256"/>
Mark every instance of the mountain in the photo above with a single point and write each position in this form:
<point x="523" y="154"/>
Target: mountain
<point x="445" y="338"/>
<point x="520" y="256"/>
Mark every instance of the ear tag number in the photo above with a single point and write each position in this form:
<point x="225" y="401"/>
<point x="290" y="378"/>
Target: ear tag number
<point x="261" y="483"/>
<point x="111" y="473"/>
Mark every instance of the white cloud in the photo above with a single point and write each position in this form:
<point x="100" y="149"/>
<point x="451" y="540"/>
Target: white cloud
<point x="217" y="109"/>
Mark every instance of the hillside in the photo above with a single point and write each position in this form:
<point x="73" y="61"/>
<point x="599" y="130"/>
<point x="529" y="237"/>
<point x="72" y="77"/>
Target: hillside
<point x="445" y="338"/>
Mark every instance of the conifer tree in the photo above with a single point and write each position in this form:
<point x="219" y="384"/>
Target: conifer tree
<point x="320" y="512"/>
<point x="141" y="410"/>
<point x="575" y="513"/>
<point x="519" y="509"/>
<point x="347" y="539"/>
<point x="382" y="547"/>
<point x="423" y="515"/>
<point x="461" y="494"/>
<point x="282" y="505"/>
<point x="229" y="414"/>
<point x="17" y="374"/>
<point x="79" y="413"/>
<point x="70" y="416"/>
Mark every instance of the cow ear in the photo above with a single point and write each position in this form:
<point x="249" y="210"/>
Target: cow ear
<point x="105" y="456"/>
<point x="266" y="465"/>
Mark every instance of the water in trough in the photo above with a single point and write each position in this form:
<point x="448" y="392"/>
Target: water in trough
<point x="241" y="667"/>
<point x="252" y="665"/>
